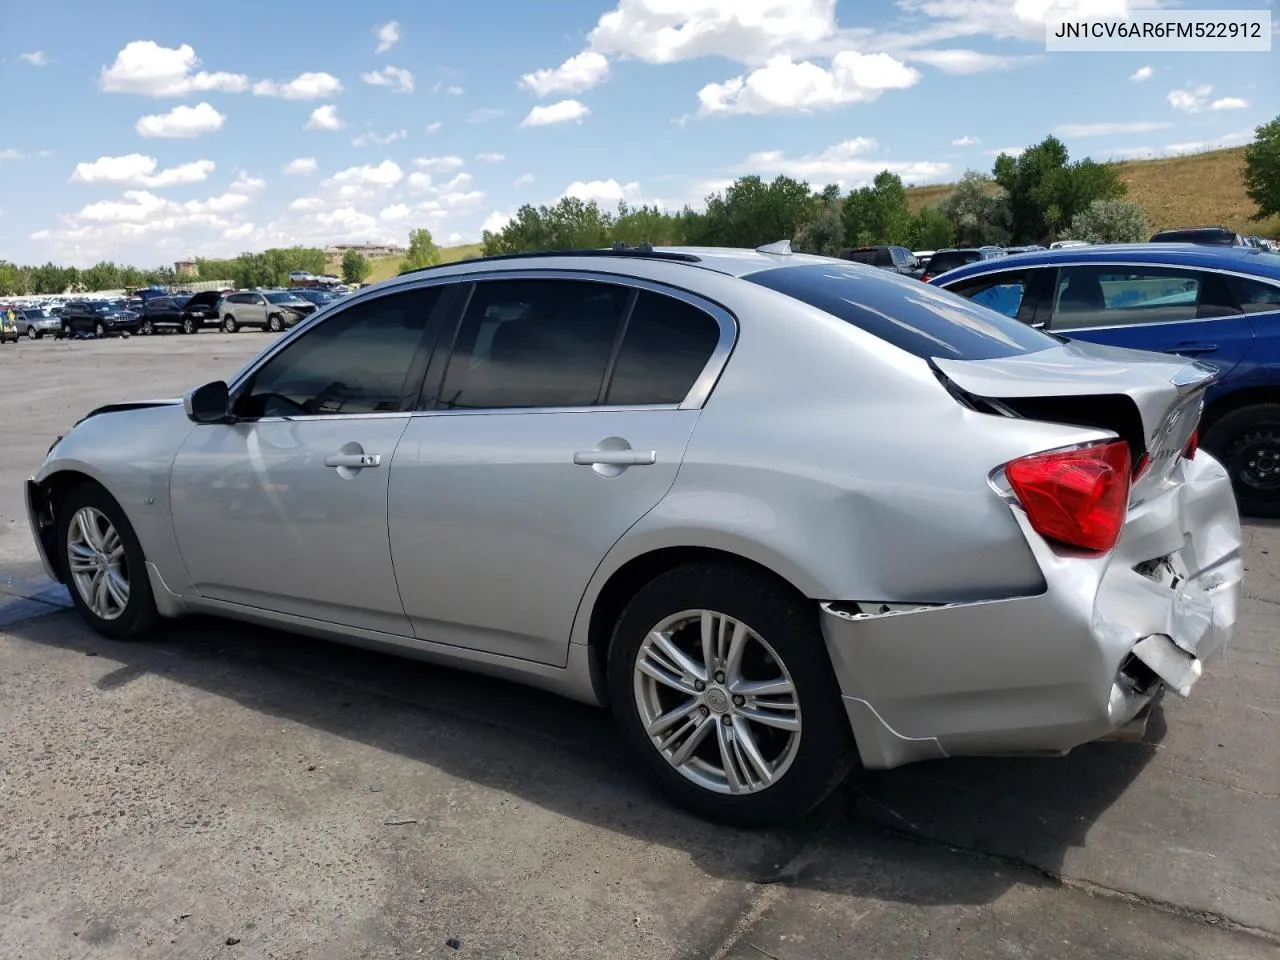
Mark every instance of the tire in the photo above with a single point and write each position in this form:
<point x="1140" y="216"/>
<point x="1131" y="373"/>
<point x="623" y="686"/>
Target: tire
<point x="274" y="323"/>
<point x="188" y="325"/>
<point x="147" y="329"/>
<point x="138" y="614"/>
<point x="33" y="333"/>
<point x="229" y="324"/>
<point x="1247" y="442"/>
<point x="808" y="763"/>
<point x="99" y="330"/>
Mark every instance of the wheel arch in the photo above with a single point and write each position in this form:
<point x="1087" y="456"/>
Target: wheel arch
<point x="1236" y="400"/>
<point x="54" y="489"/>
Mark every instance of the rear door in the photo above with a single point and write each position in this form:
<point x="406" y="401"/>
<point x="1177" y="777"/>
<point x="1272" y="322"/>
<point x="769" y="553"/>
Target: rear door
<point x="1178" y="310"/>
<point x="560" y="418"/>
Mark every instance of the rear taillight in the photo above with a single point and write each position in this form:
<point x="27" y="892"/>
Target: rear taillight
<point x="1078" y="497"/>
<point x="1189" y="451"/>
<point x="925" y="277"/>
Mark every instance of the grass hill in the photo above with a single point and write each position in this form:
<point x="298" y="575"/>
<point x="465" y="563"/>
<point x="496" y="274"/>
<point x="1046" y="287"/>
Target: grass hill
<point x="1199" y="188"/>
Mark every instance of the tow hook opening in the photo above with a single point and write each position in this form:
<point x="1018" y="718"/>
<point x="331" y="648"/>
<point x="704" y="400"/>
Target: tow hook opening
<point x="1158" y="656"/>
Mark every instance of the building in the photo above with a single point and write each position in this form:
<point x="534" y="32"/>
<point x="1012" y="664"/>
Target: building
<point x="369" y="250"/>
<point x="186" y="268"/>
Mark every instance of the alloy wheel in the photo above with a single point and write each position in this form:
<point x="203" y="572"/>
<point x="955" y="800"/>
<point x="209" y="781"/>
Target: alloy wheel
<point x="96" y="558"/>
<point x="717" y="702"/>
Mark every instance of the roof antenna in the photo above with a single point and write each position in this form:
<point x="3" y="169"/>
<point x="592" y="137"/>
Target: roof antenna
<point x="781" y="246"/>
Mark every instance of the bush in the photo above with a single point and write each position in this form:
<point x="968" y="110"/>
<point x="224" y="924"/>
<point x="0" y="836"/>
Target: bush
<point x="1109" y="221"/>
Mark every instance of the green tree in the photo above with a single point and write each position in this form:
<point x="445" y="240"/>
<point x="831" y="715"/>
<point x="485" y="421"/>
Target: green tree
<point x="878" y="213"/>
<point x="751" y="212"/>
<point x="823" y="232"/>
<point x="1109" y="221"/>
<point x="979" y="211"/>
<point x="930" y="229"/>
<point x="355" y="267"/>
<point x="1046" y="191"/>
<point x="646" y="224"/>
<point x="423" y="251"/>
<point x="1262" y="170"/>
<point x="570" y="224"/>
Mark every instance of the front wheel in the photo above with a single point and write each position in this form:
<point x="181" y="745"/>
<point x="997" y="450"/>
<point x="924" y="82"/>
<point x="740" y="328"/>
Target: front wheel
<point x="99" y="330"/>
<point x="188" y="325"/>
<point x="1247" y="442"/>
<point x="33" y="333"/>
<point x="229" y="324"/>
<point x="103" y="564"/>
<point x="719" y="680"/>
<point x="146" y="329"/>
<point x="274" y="323"/>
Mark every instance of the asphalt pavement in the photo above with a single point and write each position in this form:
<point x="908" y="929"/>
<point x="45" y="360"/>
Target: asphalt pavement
<point x="223" y="790"/>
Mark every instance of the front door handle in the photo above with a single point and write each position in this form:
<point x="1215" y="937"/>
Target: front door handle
<point x="357" y="461"/>
<point x="615" y="458"/>
<point x="1193" y="348"/>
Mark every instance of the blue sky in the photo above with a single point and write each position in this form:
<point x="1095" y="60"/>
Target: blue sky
<point x="143" y="134"/>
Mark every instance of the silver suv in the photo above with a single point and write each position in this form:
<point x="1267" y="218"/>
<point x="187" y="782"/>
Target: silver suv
<point x="272" y="310"/>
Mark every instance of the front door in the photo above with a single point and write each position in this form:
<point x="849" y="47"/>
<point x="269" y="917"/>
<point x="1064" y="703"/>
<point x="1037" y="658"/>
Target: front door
<point x="286" y="508"/>
<point x="558" y="427"/>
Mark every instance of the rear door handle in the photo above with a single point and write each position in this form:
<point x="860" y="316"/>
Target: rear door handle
<point x="1191" y="348"/>
<point x="355" y="460"/>
<point x="615" y="458"/>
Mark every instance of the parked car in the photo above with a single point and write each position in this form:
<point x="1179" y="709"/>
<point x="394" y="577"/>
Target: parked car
<point x="272" y="310"/>
<point x="1068" y="244"/>
<point x="202" y="310"/>
<point x="1220" y="305"/>
<point x="100" y="318"/>
<point x="1214" y="236"/>
<point x="949" y="259"/>
<point x="161" y="314"/>
<point x="888" y="257"/>
<point x="321" y="298"/>
<point x="34" y="322"/>
<point x="789" y="514"/>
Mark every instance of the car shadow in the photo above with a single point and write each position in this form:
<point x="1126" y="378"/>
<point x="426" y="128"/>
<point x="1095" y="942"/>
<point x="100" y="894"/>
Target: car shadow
<point x="901" y="827"/>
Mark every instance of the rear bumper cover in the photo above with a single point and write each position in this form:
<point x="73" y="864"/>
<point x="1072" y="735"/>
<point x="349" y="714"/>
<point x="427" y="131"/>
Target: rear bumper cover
<point x="1044" y="674"/>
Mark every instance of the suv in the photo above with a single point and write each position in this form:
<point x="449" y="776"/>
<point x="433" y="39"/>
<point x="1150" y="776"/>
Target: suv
<point x="98" y="318"/>
<point x="165" y="313"/>
<point x="887" y="257"/>
<point x="269" y="309"/>
<point x="202" y="310"/>
<point x="1214" y="236"/>
<point x="945" y="260"/>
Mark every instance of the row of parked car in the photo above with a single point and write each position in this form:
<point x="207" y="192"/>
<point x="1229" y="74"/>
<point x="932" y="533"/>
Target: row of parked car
<point x="155" y="311"/>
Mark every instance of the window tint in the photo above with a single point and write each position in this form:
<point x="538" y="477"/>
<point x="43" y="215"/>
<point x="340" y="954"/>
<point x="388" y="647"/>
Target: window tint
<point x="357" y="361"/>
<point x="913" y="316"/>
<point x="1001" y="292"/>
<point x="666" y="345"/>
<point x="1254" y="296"/>
<point x="950" y="259"/>
<point x="534" y="343"/>
<point x="1102" y="296"/>
<point x="160" y="303"/>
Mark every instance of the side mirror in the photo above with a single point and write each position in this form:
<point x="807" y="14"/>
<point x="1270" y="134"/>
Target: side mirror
<point x="208" y="404"/>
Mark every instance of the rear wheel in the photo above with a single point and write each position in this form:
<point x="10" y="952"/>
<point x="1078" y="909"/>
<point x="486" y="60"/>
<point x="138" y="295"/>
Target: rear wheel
<point x="720" y="682"/>
<point x="99" y="330"/>
<point x="147" y="329"/>
<point x="229" y="324"/>
<point x="1247" y="441"/>
<point x="103" y="564"/>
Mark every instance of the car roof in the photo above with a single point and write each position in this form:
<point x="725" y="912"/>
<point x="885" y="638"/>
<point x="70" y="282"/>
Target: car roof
<point x="1243" y="259"/>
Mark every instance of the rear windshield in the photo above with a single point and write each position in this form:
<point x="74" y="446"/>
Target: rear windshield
<point x="913" y="316"/>
<point x="950" y="259"/>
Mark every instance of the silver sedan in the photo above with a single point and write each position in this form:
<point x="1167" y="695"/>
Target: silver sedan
<point x="782" y="514"/>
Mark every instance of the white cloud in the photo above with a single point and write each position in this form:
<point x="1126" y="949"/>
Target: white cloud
<point x="136" y="170"/>
<point x="446" y="203"/>
<point x="324" y="118"/>
<point x="181" y="122"/>
<point x="367" y="138"/>
<point x="397" y="211"/>
<point x="346" y="221"/>
<point x="490" y="157"/>
<point x="238" y="233"/>
<point x="385" y="174"/>
<point x="246" y="183"/>
<point x="850" y="162"/>
<point x="605" y="192"/>
<point x="139" y="206"/>
<point x="495" y="221"/>
<point x="958" y="61"/>
<point x="301" y="167"/>
<point x="438" y="164"/>
<point x="783" y="85"/>
<point x="1108" y="129"/>
<point x="485" y="114"/>
<point x="1190" y="101"/>
<point x="305" y="86"/>
<point x="1229" y="103"/>
<point x="456" y="184"/>
<point x="307" y="203"/>
<point x="1011" y="151"/>
<point x="965" y="141"/>
<point x="578" y="73"/>
<point x="451" y="89"/>
<point x="11" y="153"/>
<point x="419" y="182"/>
<point x="36" y="58"/>
<point x="434" y="127"/>
<point x="390" y="76"/>
<point x="564" y="111"/>
<point x="522" y="180"/>
<point x="388" y="36"/>
<point x="1141" y="75"/>
<point x="146" y="68"/>
<point x="1236" y="139"/>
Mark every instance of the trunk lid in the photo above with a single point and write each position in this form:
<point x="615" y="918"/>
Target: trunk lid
<point x="1153" y="401"/>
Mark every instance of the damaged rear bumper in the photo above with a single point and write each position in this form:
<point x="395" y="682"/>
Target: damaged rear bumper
<point x="1043" y="674"/>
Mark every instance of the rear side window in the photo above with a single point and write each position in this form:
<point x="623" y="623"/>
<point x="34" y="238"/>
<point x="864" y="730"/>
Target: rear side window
<point x="916" y="317"/>
<point x="1102" y="296"/>
<point x="1254" y="296"/>
<point x="667" y="344"/>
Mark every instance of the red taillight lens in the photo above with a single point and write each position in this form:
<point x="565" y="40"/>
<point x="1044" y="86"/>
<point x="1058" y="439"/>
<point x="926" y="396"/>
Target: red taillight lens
<point x="1078" y="497"/>
<point x="924" y="277"/>
<point x="1192" y="445"/>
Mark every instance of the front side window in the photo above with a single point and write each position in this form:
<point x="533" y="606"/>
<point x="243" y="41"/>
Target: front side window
<point x="534" y="343"/>
<point x="1103" y="296"/>
<point x="357" y="361"/>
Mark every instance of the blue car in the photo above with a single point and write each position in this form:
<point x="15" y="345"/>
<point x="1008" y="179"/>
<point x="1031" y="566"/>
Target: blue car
<point x="1220" y="305"/>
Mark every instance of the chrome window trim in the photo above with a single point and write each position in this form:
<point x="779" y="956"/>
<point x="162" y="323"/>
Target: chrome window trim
<point x="1126" y="263"/>
<point x="694" y="399"/>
